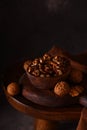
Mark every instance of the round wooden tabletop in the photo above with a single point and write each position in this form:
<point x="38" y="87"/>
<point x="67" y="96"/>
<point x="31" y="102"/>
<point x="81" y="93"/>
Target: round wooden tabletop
<point x="42" y="112"/>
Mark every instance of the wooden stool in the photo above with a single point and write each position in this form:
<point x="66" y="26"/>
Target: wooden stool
<point x="46" y="118"/>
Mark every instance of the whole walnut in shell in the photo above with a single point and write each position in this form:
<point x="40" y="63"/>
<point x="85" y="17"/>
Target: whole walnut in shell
<point x="13" y="89"/>
<point x="61" y="88"/>
<point x="76" y="90"/>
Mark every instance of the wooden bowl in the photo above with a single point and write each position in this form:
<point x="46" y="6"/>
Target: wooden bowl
<point x="59" y="66"/>
<point x="46" y="82"/>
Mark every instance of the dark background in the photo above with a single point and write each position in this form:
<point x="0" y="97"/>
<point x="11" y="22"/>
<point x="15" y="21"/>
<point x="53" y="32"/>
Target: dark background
<point x="28" y="28"/>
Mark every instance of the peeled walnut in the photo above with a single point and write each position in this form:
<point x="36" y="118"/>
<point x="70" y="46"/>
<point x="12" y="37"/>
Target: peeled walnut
<point x="46" y="57"/>
<point x="35" y="62"/>
<point x="26" y="64"/>
<point x="76" y="90"/>
<point x="76" y="76"/>
<point x="13" y="89"/>
<point x="61" y="88"/>
<point x="36" y="73"/>
<point x="61" y="65"/>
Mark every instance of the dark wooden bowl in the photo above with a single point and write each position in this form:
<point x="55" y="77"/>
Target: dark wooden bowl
<point x="46" y="82"/>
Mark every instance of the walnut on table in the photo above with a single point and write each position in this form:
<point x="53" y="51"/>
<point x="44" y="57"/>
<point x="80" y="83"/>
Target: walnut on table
<point x="62" y="88"/>
<point x="13" y="89"/>
<point x="76" y="90"/>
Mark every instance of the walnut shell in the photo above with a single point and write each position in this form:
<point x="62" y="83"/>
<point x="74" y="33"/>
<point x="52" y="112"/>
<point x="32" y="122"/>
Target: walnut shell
<point x="61" y="88"/>
<point x="76" y="90"/>
<point x="13" y="89"/>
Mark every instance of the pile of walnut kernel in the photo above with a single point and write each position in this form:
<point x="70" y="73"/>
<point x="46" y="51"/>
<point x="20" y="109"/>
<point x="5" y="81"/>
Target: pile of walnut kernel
<point x="47" y="66"/>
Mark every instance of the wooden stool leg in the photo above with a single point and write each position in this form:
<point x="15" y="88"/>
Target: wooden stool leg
<point x="45" y="125"/>
<point x="82" y="124"/>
